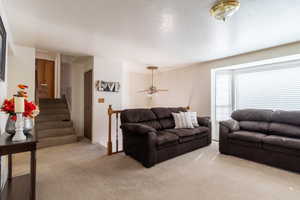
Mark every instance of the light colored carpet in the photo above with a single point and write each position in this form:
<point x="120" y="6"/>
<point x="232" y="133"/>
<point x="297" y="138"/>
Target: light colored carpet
<point x="81" y="171"/>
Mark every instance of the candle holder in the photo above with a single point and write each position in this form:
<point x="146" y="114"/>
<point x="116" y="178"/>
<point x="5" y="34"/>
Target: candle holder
<point x="19" y="136"/>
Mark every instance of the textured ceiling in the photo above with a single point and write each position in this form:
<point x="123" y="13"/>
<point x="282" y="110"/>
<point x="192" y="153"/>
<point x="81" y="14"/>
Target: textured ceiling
<point x="157" y="32"/>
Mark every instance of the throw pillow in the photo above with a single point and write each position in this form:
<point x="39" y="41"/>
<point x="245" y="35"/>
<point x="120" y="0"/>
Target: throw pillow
<point x="194" y="119"/>
<point x="182" y="120"/>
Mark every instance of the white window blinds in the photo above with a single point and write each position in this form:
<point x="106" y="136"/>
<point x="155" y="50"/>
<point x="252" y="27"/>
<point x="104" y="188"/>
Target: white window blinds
<point x="224" y="103"/>
<point x="272" y="88"/>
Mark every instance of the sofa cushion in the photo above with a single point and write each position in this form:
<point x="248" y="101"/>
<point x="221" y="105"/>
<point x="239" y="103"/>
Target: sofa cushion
<point x="137" y="128"/>
<point x="167" y="123"/>
<point x="254" y="126"/>
<point x="285" y="130"/>
<point x="252" y="115"/>
<point x="247" y="136"/>
<point x="144" y="116"/>
<point x="137" y="115"/>
<point x="165" y="138"/>
<point x="286" y="142"/>
<point x="286" y="117"/>
<point x="183" y="132"/>
<point x="162" y="113"/>
<point x="165" y="116"/>
<point x="154" y="124"/>
<point x="189" y="134"/>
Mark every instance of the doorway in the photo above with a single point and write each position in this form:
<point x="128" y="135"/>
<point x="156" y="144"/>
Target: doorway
<point x="45" y="79"/>
<point x="88" y="114"/>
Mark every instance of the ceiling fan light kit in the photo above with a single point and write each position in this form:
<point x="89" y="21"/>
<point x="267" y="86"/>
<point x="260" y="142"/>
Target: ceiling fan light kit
<point x="224" y="9"/>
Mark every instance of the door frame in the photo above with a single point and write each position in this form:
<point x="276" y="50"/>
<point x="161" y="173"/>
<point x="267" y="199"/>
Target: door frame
<point x="92" y="110"/>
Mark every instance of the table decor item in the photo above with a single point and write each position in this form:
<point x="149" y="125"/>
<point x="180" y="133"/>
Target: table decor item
<point x="11" y="125"/>
<point x="21" y="114"/>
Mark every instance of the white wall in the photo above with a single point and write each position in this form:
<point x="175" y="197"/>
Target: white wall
<point x="132" y="83"/>
<point x="106" y="70"/>
<point x="40" y="54"/>
<point x="21" y="70"/>
<point x="66" y="83"/>
<point x="3" y="89"/>
<point x="192" y="84"/>
<point x="128" y="97"/>
<point x="77" y="68"/>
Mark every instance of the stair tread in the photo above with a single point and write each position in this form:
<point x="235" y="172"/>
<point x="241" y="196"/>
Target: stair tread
<point x="56" y="109"/>
<point x="58" y="137"/>
<point x="55" y="132"/>
<point x="53" y="117"/>
<point x="52" y="106"/>
<point x="58" y="121"/>
<point x="53" y="111"/>
<point x="56" y="129"/>
<point x="53" y="124"/>
<point x="58" y="140"/>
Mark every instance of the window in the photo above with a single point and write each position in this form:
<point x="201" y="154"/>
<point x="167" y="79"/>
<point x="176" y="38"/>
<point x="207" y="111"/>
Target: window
<point x="266" y="86"/>
<point x="268" y="89"/>
<point x="224" y="103"/>
<point x="223" y="100"/>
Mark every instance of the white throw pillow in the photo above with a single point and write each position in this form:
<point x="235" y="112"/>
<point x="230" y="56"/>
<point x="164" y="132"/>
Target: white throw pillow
<point x="194" y="119"/>
<point x="177" y="120"/>
<point x="182" y="120"/>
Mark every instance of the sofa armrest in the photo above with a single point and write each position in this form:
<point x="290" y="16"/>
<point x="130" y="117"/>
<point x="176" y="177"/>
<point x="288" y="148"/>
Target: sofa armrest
<point x="226" y="127"/>
<point x="137" y="128"/>
<point x="232" y="125"/>
<point x="139" y="141"/>
<point x="204" y="121"/>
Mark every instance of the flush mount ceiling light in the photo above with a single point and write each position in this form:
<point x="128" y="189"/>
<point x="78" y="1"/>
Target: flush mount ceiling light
<point x="224" y="9"/>
<point x="152" y="89"/>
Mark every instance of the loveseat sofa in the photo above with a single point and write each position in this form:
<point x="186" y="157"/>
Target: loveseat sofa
<point x="149" y="135"/>
<point x="265" y="136"/>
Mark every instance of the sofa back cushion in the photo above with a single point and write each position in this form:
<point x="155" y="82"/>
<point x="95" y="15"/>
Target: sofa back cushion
<point x="262" y="127"/>
<point x="259" y="115"/>
<point x="165" y="117"/>
<point x="144" y="116"/>
<point x="286" y="117"/>
<point x="284" y="130"/>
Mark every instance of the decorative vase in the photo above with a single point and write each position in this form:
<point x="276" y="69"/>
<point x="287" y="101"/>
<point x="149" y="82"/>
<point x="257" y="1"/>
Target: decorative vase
<point x="11" y="125"/>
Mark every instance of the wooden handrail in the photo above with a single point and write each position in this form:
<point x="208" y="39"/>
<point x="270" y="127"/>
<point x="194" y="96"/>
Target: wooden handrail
<point x="110" y="113"/>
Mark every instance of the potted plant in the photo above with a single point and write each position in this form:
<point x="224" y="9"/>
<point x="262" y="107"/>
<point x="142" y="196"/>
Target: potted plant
<point x="31" y="111"/>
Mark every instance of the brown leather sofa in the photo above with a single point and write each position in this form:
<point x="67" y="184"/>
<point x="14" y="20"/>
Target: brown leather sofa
<point x="149" y="135"/>
<point x="265" y="136"/>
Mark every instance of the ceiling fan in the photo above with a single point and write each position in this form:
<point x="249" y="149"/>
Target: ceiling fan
<point x="152" y="89"/>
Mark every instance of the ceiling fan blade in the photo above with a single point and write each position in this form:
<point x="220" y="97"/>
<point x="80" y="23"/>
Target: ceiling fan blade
<point x="162" y="90"/>
<point x="143" y="91"/>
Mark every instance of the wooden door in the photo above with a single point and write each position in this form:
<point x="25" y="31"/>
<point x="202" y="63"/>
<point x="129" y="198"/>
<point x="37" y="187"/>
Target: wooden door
<point x="88" y="91"/>
<point x="45" y="78"/>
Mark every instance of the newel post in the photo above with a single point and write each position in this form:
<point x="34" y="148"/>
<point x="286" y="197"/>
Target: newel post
<point x="109" y="142"/>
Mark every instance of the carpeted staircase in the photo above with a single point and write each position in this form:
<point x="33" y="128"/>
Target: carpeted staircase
<point x="53" y="125"/>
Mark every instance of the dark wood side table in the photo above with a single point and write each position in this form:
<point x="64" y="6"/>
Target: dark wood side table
<point x="20" y="187"/>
